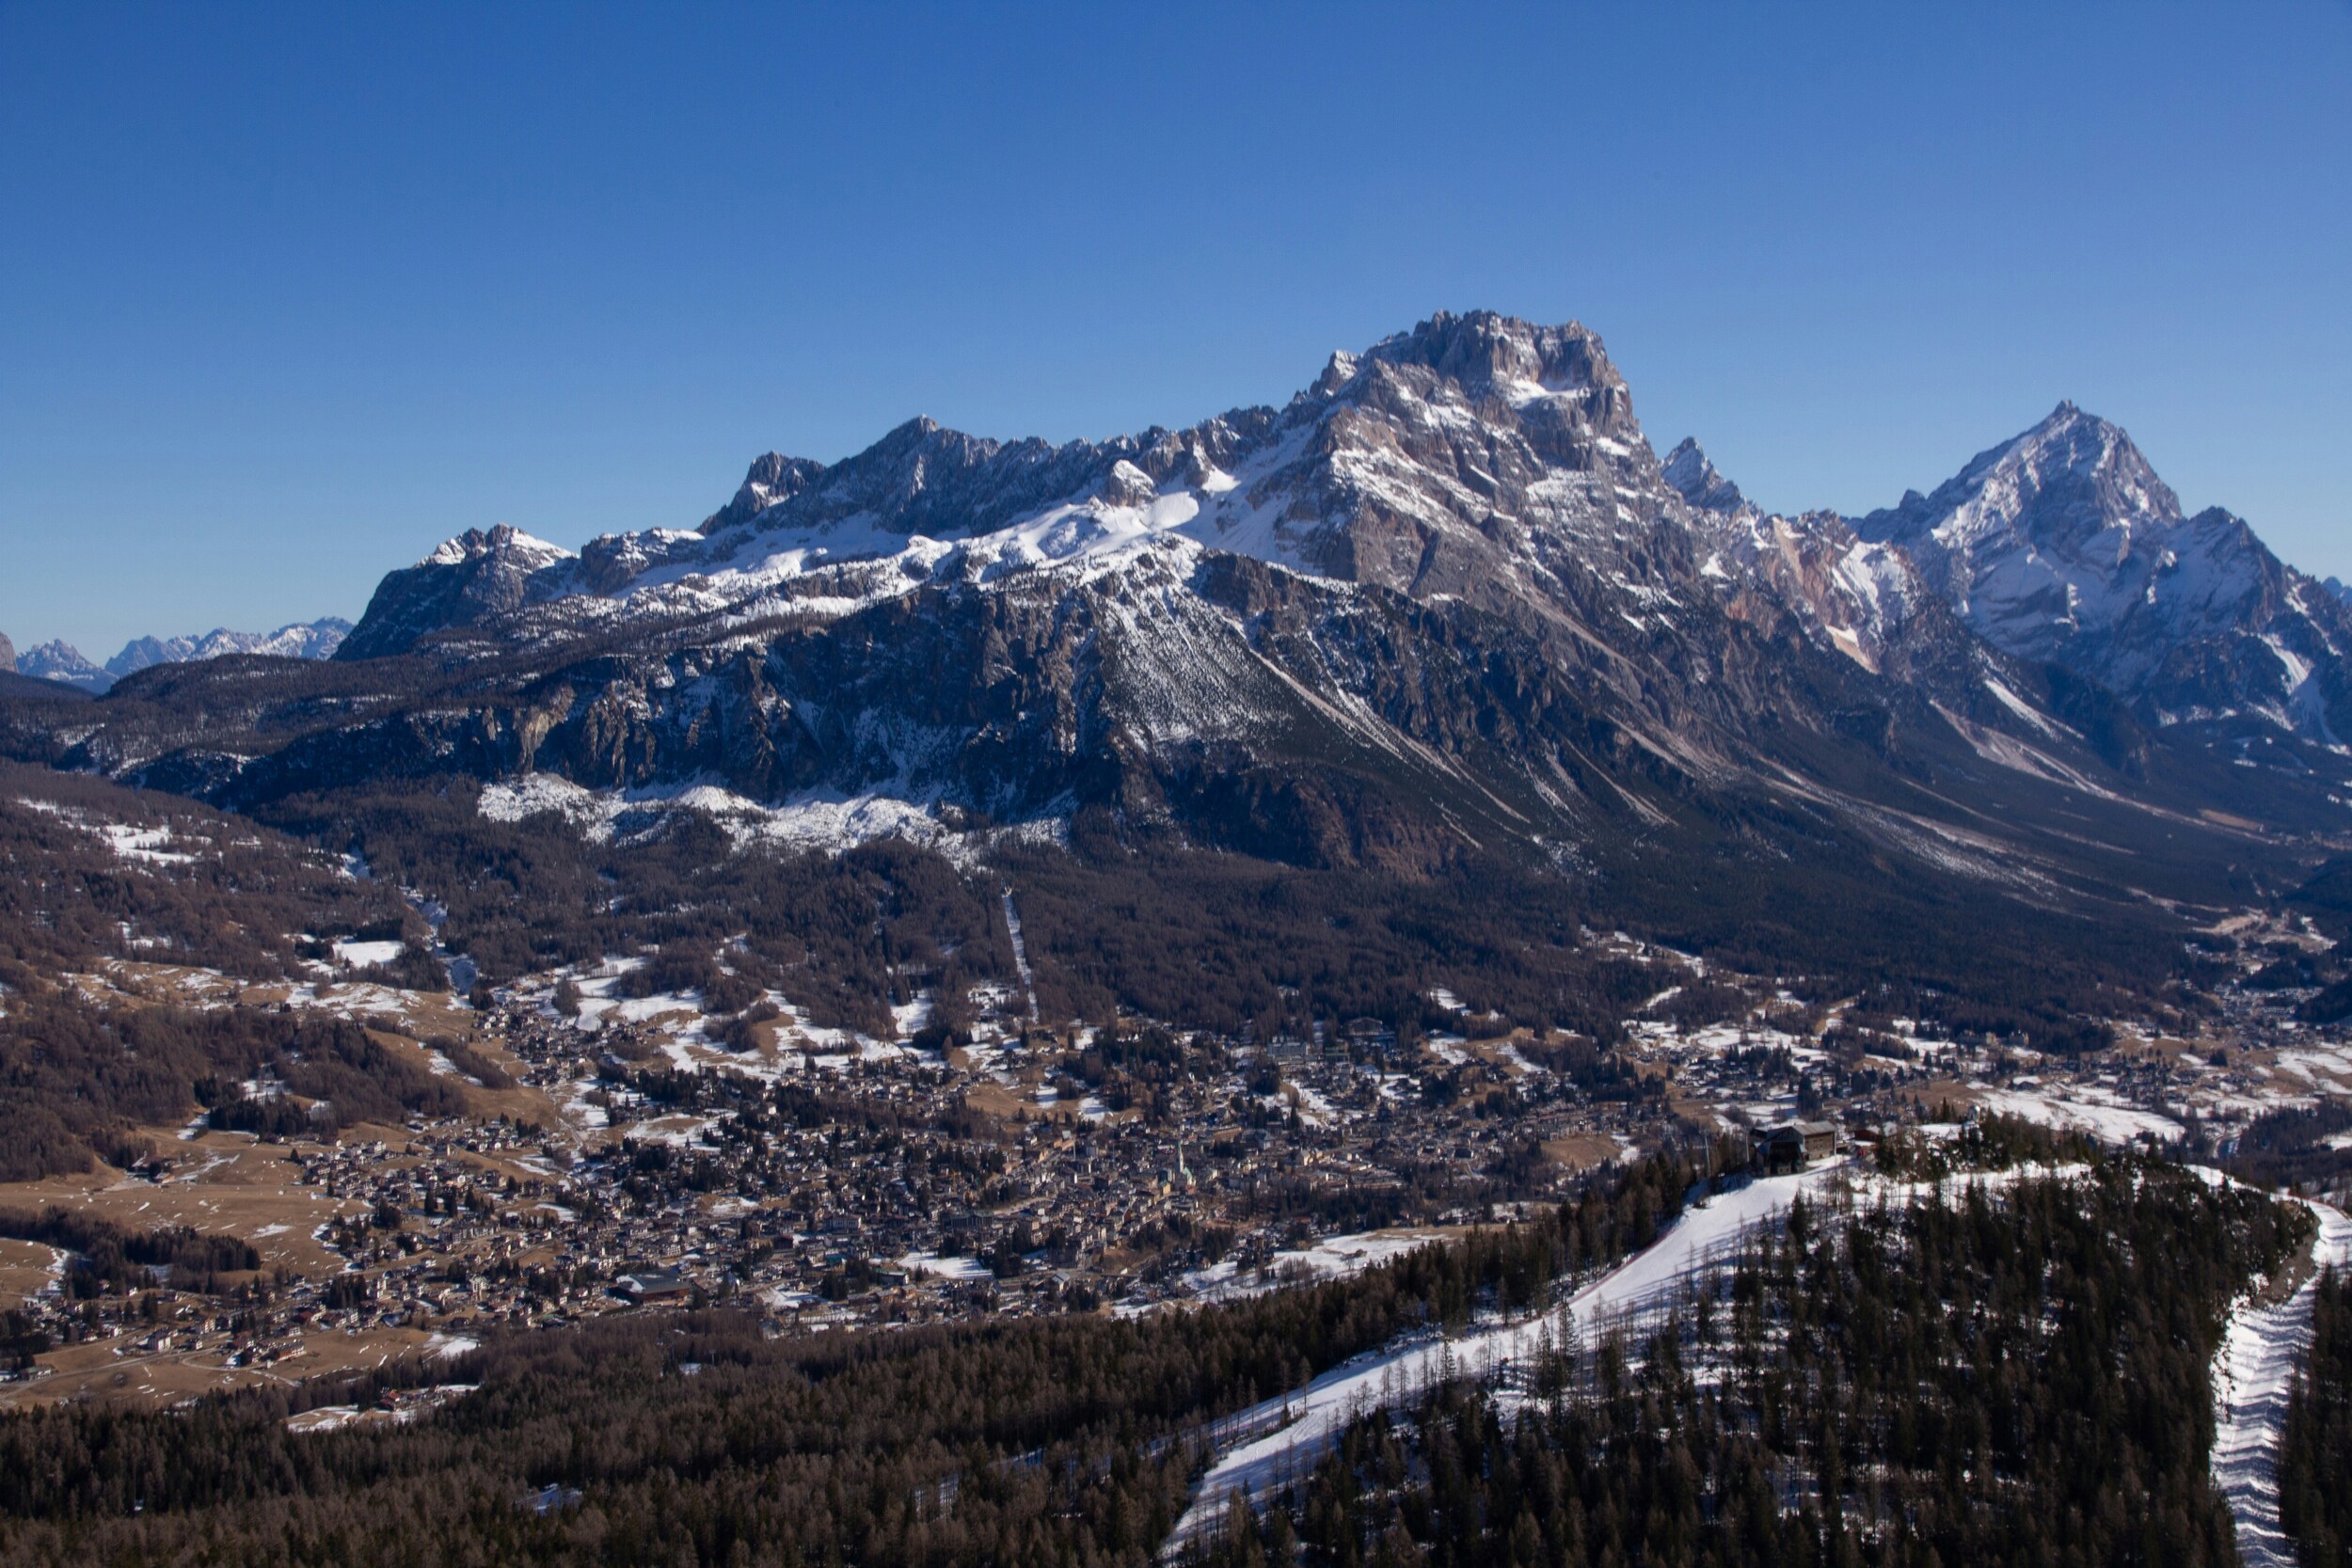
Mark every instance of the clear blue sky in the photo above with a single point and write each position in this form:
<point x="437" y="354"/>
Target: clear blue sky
<point x="287" y="296"/>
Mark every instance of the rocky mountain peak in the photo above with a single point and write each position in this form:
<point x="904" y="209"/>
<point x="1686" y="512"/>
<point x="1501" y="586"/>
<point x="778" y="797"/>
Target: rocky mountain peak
<point x="1476" y="457"/>
<point x="503" y="543"/>
<point x="7" y="655"/>
<point x="2070" y="480"/>
<point x="60" y="660"/>
<point x="1697" y="481"/>
<point x="924" y="477"/>
<point x="298" y="640"/>
<point x="2062" y="544"/>
<point x="2054" y="532"/>
<point x="1460" y="458"/>
<point x="1337" y="373"/>
<point x="773" y="478"/>
<point x="1128" y="485"/>
<point x="1484" y="352"/>
<point x="473" y="578"/>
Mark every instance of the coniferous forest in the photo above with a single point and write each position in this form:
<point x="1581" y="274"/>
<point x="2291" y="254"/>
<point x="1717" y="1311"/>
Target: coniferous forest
<point x="2011" y="1379"/>
<point x="2315" y="1454"/>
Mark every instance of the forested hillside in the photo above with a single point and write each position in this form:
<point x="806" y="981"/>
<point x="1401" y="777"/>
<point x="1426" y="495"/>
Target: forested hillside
<point x="2017" y="1377"/>
<point x="695" y="1439"/>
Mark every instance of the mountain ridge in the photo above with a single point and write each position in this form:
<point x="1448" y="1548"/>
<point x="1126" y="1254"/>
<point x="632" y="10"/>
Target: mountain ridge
<point x="60" y="660"/>
<point x="1367" y="476"/>
<point x="1444" y="609"/>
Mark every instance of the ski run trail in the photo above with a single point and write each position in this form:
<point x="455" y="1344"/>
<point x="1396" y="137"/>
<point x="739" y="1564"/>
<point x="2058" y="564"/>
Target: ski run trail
<point x="1309" y="1421"/>
<point x="1020" y="955"/>
<point x="2251" y="1373"/>
<point x="1281" y="1440"/>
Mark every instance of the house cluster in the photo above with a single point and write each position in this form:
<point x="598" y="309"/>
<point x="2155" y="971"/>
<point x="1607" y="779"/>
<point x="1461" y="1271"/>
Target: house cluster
<point x="1024" y="1169"/>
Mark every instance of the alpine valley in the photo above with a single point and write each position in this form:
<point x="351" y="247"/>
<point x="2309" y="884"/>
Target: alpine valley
<point x="1389" y="979"/>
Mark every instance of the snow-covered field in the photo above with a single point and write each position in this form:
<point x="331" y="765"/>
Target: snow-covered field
<point x="1332" y="1257"/>
<point x="2083" y="1110"/>
<point x="2251" y="1375"/>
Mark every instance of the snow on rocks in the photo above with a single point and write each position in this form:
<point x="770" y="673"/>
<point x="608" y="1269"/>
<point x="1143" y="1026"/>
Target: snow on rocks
<point x="822" y="821"/>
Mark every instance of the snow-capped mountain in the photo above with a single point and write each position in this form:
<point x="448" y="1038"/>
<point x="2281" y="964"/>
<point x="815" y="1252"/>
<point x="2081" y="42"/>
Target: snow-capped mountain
<point x="1477" y="469"/>
<point x="8" y="656"/>
<point x="1444" y="602"/>
<point x="63" y="661"/>
<point x="2062" y="544"/>
<point x="1695" y="479"/>
<point x="60" y="660"/>
<point x="1476" y="457"/>
<point x="305" y="639"/>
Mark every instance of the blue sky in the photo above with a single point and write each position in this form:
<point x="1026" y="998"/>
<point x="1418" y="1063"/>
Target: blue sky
<point x="287" y="296"/>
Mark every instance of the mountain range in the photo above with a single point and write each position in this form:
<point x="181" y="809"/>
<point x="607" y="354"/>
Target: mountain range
<point x="1445" y="608"/>
<point x="1483" y="460"/>
<point x="61" y="661"/>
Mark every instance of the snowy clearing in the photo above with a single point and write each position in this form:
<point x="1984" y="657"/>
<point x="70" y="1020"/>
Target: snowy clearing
<point x="1332" y="1257"/>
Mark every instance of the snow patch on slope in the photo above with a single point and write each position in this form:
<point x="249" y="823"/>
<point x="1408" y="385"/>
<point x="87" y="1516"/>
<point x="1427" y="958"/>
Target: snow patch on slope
<point x="826" y="822"/>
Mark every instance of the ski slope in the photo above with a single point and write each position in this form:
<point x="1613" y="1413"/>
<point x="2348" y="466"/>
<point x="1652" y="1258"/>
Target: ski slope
<point x="1310" y="1419"/>
<point x="2251" y="1373"/>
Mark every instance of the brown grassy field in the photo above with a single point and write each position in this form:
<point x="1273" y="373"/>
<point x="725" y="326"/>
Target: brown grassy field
<point x="222" y="1182"/>
<point x="116" y="1370"/>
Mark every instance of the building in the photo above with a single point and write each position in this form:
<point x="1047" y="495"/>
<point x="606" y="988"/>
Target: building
<point x="649" y="1287"/>
<point x="1794" y="1145"/>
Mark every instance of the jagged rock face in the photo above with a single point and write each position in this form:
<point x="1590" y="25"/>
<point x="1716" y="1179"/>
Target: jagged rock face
<point x="1213" y="697"/>
<point x="7" y="655"/>
<point x="1695" y="481"/>
<point x="1475" y="459"/>
<point x="943" y="483"/>
<point x="772" y="480"/>
<point x="471" y="579"/>
<point x="1475" y="455"/>
<point x="2045" y="538"/>
<point x="1864" y="599"/>
<point x="1203" y="696"/>
<point x="2063" y="545"/>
